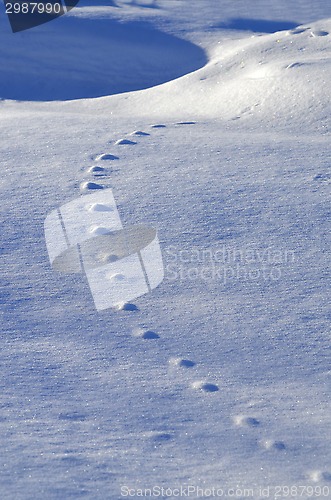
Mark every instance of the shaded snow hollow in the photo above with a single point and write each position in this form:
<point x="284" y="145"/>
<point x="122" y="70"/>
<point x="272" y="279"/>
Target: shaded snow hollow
<point x="76" y="57"/>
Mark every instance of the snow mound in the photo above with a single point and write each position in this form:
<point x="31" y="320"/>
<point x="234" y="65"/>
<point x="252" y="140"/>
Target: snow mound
<point x="275" y="78"/>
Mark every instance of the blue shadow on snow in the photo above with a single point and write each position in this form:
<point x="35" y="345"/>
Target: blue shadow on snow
<point x="75" y="58"/>
<point x="257" y="25"/>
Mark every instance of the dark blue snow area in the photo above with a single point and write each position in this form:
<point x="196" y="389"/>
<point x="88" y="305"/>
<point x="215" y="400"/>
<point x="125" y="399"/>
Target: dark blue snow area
<point x="74" y="57"/>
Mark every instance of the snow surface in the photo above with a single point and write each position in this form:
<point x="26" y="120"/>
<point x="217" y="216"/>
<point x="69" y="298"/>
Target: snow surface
<point x="220" y="377"/>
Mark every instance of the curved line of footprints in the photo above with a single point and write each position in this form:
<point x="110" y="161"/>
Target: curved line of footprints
<point x="99" y="172"/>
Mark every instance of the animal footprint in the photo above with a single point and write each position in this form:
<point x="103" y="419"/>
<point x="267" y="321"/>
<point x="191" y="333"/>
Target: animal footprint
<point x="316" y="33"/>
<point x="99" y="207"/>
<point x="145" y="334"/>
<point x="246" y="112"/>
<point x="159" y="437"/>
<point x="87" y="186"/>
<point x="122" y="142"/>
<point x="106" y="157"/>
<point x="298" y="31"/>
<point x="184" y="363"/>
<point x="294" y="65"/>
<point x="158" y="126"/>
<point x="97" y="171"/>
<point x="140" y="133"/>
<point x="244" y="421"/>
<point x="317" y="476"/>
<point x="270" y="444"/>
<point x="126" y="306"/>
<point x="185" y="123"/>
<point x="99" y="230"/>
<point x="205" y="386"/>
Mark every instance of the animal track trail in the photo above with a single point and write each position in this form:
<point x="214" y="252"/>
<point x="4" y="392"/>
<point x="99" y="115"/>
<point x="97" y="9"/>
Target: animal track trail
<point x="100" y="172"/>
<point x="184" y="369"/>
<point x="144" y="333"/>
<point x="312" y="33"/>
<point x="266" y="444"/>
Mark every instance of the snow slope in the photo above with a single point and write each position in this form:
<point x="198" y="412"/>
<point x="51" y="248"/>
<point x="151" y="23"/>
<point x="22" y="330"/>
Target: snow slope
<point x="221" y="376"/>
<point x="281" y="78"/>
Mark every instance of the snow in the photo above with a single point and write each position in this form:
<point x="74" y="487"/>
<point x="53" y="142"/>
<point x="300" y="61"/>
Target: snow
<point x="218" y="117"/>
